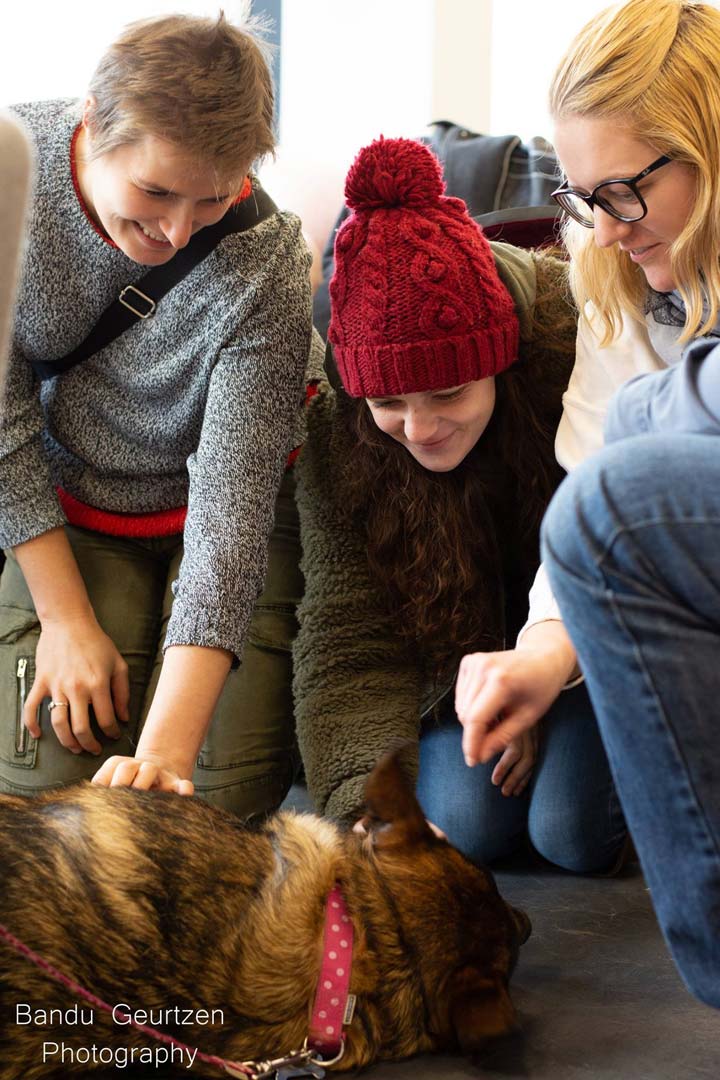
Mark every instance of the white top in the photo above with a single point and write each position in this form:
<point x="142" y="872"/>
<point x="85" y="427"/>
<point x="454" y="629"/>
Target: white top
<point x="639" y="348"/>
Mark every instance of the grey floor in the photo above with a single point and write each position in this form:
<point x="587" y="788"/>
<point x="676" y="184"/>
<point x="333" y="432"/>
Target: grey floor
<point x="598" y="995"/>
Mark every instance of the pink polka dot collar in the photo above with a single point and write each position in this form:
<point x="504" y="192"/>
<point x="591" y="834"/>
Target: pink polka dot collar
<point x="334" y="1004"/>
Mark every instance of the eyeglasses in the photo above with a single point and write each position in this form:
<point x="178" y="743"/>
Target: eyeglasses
<point x="618" y="198"/>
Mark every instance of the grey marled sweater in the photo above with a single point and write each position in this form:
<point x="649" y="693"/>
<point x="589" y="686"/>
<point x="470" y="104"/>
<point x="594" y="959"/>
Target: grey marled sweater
<point x="197" y="405"/>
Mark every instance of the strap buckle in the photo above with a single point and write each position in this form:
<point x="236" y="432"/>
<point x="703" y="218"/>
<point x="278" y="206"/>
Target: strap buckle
<point x="148" y="300"/>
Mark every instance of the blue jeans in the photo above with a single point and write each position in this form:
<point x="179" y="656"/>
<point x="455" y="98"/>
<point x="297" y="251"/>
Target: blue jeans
<point x="570" y="809"/>
<point x="632" y="545"/>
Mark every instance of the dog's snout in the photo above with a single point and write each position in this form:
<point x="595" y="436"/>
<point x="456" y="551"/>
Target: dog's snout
<point x="522" y="923"/>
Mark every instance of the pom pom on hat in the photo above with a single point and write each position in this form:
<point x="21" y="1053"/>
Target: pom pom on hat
<point x="394" y="172"/>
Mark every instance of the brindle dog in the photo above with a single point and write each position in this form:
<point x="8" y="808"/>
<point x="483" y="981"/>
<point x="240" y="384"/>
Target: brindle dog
<point x="164" y="904"/>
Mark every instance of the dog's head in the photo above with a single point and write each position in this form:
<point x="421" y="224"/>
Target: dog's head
<point x="465" y="938"/>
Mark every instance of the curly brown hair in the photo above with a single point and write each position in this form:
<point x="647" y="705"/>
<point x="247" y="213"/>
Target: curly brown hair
<point x="445" y="547"/>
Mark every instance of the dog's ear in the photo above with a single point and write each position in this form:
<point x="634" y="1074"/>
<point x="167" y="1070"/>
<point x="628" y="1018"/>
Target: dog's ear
<point x="480" y="1009"/>
<point x="394" y="815"/>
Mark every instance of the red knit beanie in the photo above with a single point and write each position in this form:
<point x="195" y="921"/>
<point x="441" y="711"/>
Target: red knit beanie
<point x="417" y="303"/>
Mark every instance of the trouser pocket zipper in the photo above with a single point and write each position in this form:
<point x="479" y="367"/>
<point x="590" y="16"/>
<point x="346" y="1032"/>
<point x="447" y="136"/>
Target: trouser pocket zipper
<point x="21" y="732"/>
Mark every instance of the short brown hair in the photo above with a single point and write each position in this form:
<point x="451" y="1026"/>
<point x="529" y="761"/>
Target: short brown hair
<point x="201" y="83"/>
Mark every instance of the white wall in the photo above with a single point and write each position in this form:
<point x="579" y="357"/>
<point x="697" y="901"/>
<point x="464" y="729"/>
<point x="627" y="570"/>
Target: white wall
<point x="528" y="41"/>
<point x="351" y="70"/>
<point x="462" y="62"/>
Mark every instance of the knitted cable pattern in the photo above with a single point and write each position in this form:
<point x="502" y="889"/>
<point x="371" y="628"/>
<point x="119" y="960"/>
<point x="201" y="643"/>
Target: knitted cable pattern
<point x="417" y="303"/>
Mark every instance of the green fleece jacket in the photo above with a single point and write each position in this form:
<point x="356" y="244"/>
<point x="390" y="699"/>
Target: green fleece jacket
<point x="357" y="689"/>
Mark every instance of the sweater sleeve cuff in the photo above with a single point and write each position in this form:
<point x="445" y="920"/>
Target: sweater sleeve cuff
<point x="544" y="608"/>
<point x="346" y="803"/>
<point x="25" y="521"/>
<point x="542" y="603"/>
<point x="186" y="628"/>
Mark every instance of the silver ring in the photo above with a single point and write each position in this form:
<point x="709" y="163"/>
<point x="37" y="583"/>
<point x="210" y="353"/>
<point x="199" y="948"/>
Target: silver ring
<point x="56" y="704"/>
<point x="325" y="1061"/>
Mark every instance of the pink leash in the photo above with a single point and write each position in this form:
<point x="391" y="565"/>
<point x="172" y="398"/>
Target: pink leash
<point x="58" y="976"/>
<point x="333" y="1005"/>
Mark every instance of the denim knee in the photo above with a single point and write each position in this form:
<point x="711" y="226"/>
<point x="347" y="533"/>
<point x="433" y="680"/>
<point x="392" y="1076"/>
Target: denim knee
<point x="701" y="982"/>
<point x="645" y="479"/>
<point x="704" y="985"/>
<point x="567" y="843"/>
<point x="490" y="847"/>
<point x="575" y="820"/>
<point x="476" y="817"/>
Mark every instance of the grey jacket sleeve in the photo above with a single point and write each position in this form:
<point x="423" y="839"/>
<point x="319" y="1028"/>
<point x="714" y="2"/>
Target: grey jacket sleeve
<point x="357" y="692"/>
<point x="254" y="397"/>
<point x="28" y="503"/>
<point x="684" y="398"/>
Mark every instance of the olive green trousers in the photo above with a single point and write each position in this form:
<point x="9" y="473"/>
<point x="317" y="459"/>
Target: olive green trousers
<point x="249" y="758"/>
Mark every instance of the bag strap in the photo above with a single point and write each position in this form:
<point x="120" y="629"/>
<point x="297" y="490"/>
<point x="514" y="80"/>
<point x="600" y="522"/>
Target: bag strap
<point x="139" y="301"/>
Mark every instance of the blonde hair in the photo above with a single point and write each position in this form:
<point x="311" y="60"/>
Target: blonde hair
<point x="200" y="83"/>
<point x="653" y="67"/>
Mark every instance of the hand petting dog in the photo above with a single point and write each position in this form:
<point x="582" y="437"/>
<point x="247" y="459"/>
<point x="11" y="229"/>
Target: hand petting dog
<point x="217" y="932"/>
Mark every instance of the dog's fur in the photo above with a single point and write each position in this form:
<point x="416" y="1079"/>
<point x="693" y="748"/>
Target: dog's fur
<point x="156" y="901"/>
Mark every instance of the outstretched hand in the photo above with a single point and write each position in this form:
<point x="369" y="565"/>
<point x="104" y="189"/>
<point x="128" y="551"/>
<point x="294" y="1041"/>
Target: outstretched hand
<point x="145" y="774"/>
<point x="500" y="695"/>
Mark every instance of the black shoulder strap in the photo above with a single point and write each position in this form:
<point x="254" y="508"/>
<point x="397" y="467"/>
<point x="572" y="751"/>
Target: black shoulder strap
<point x="140" y="300"/>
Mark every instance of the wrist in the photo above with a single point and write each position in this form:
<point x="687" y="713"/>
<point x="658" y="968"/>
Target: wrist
<point x="64" y="616"/>
<point x="173" y="733"/>
<point x="53" y="577"/>
<point x="550" y="643"/>
<point x="183" y="765"/>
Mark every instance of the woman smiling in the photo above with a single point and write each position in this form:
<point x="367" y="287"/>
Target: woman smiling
<point x="421" y="488"/>
<point x="631" y="540"/>
<point x="139" y="487"/>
